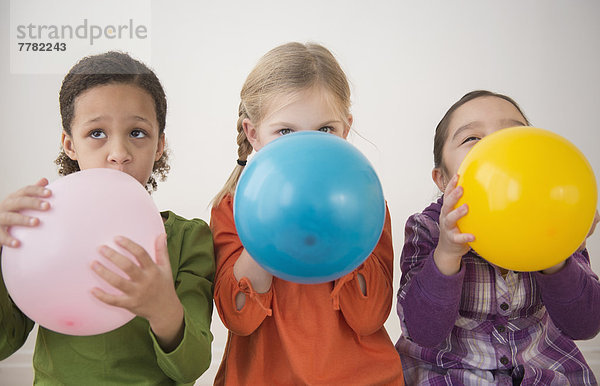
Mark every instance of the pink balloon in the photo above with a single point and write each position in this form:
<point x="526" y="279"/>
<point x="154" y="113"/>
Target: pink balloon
<point x="49" y="277"/>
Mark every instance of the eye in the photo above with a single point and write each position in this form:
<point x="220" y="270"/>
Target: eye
<point x="97" y="134"/>
<point x="137" y="133"/>
<point x="327" y="129"/>
<point x="469" y="139"/>
<point x="285" y="131"/>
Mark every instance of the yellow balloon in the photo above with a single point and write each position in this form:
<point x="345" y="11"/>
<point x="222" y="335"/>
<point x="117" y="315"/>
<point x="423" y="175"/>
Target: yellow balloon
<point x="531" y="195"/>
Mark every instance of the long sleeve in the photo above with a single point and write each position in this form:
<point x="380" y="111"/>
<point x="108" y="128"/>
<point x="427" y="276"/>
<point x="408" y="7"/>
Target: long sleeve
<point x="130" y="354"/>
<point x="228" y="248"/>
<point x="280" y="326"/>
<point x="572" y="297"/>
<point x="192" y="262"/>
<point x="365" y="314"/>
<point x="428" y="301"/>
<point x="14" y="325"/>
<point x="478" y="325"/>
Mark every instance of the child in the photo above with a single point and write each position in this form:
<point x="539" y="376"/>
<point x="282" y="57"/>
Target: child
<point x="282" y="332"/>
<point x="467" y="322"/>
<point x="113" y="112"/>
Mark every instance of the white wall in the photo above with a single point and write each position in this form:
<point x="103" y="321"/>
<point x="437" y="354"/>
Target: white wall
<point x="407" y="61"/>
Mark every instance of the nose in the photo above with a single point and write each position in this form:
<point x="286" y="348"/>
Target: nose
<point x="119" y="153"/>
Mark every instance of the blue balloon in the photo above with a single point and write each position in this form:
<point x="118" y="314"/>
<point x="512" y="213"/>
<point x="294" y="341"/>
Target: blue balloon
<point x="309" y="207"/>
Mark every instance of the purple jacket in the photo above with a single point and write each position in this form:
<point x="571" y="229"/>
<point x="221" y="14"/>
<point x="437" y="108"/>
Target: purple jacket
<point x="477" y="327"/>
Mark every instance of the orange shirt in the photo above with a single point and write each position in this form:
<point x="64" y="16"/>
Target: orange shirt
<point x="327" y="333"/>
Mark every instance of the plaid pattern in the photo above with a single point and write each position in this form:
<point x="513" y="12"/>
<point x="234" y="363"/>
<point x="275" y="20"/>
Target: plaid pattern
<point x="503" y="334"/>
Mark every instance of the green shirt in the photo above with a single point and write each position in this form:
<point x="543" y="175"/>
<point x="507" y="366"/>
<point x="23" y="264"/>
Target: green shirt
<point x="130" y="355"/>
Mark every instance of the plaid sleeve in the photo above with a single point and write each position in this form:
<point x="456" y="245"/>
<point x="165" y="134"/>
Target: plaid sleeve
<point x="572" y="297"/>
<point x="428" y="301"/>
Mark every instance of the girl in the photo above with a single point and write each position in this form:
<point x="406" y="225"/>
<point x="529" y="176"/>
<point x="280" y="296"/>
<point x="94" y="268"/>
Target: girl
<point x="467" y="322"/>
<point x="113" y="112"/>
<point x="282" y="332"/>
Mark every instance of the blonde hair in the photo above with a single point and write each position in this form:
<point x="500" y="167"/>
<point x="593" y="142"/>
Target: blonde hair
<point x="286" y="69"/>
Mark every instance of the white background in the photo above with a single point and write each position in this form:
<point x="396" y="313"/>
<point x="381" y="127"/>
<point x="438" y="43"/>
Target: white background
<point x="407" y="62"/>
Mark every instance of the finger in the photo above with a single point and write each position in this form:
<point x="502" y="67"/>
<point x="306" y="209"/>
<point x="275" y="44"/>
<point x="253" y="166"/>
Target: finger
<point x="452" y="218"/>
<point x="121" y="261"/>
<point x="463" y="238"/>
<point x="33" y="191"/>
<point x="594" y="223"/>
<point x="42" y="182"/>
<point x="18" y="203"/>
<point x="105" y="297"/>
<point x="451" y="184"/>
<point x="136" y="250"/>
<point x="591" y="232"/>
<point x="8" y="219"/>
<point x="7" y="240"/>
<point x="111" y="277"/>
<point x="451" y="200"/>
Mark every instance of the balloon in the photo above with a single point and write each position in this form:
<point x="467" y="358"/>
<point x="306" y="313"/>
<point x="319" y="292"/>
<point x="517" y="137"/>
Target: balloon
<point x="49" y="277"/>
<point x="309" y="207"/>
<point x="531" y="196"/>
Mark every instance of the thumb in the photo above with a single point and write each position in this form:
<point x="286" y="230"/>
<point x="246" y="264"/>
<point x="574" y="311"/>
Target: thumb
<point x="162" y="253"/>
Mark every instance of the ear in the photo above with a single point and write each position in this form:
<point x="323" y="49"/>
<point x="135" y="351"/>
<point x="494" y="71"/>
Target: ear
<point x="350" y="119"/>
<point x="251" y="133"/>
<point x="68" y="146"/>
<point x="160" y="147"/>
<point x="439" y="177"/>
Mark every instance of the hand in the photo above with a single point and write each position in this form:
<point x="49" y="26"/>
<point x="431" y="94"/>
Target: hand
<point x="594" y="222"/>
<point x="29" y="197"/>
<point x="452" y="244"/>
<point x="247" y="267"/>
<point x="148" y="291"/>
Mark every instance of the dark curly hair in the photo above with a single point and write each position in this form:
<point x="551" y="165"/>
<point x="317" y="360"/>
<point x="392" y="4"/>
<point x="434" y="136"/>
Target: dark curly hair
<point x="110" y="68"/>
